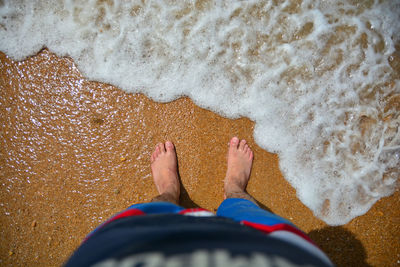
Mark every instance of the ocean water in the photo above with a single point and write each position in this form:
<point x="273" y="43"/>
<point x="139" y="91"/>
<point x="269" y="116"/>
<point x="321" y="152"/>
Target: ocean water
<point x="321" y="79"/>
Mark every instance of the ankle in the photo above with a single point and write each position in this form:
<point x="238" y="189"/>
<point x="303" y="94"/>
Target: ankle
<point x="167" y="197"/>
<point x="232" y="187"/>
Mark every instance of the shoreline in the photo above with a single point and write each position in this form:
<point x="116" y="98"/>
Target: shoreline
<point x="75" y="152"/>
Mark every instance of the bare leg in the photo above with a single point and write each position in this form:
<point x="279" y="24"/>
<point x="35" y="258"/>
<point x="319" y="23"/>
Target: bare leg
<point x="164" y="169"/>
<point x="240" y="160"/>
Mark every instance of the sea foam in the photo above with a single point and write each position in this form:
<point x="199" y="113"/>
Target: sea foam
<point x="317" y="77"/>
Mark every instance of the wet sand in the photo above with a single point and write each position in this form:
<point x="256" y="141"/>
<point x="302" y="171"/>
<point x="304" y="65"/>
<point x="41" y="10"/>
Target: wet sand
<point x="75" y="152"/>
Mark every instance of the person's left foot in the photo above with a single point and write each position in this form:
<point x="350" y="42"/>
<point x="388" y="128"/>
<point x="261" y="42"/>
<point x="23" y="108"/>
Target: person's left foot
<point x="164" y="168"/>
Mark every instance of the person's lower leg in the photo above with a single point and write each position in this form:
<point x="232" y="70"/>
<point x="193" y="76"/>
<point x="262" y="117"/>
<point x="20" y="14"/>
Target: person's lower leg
<point x="164" y="169"/>
<point x="240" y="160"/>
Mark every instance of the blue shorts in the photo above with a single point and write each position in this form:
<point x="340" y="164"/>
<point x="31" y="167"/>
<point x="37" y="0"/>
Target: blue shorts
<point x="238" y="210"/>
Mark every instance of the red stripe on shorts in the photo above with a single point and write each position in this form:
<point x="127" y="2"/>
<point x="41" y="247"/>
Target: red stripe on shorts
<point x="278" y="227"/>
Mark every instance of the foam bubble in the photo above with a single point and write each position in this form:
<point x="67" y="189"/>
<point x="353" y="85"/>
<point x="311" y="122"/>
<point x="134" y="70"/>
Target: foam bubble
<point x="319" y="79"/>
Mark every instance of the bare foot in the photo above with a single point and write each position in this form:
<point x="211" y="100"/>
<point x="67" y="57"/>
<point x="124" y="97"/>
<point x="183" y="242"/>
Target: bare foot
<point x="164" y="168"/>
<point x="240" y="160"/>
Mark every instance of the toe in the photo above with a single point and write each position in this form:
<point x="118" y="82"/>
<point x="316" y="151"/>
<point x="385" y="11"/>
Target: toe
<point x="234" y="142"/>
<point x="251" y="155"/>
<point x="156" y="150"/>
<point x="161" y="147"/>
<point x="246" y="148"/>
<point x="242" y="144"/>
<point x="169" y="146"/>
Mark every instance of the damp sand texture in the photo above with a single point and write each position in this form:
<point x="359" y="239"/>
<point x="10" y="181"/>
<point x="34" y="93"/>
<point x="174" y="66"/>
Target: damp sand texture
<point x="320" y="79"/>
<point x="76" y="152"/>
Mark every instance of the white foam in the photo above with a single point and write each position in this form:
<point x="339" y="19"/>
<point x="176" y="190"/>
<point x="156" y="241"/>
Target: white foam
<point x="252" y="59"/>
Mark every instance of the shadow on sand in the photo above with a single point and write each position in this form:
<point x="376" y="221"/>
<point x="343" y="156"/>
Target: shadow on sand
<point x="185" y="200"/>
<point x="341" y="246"/>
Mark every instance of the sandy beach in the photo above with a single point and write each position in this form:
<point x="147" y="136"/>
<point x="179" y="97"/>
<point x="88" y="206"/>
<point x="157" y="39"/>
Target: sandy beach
<point x="74" y="152"/>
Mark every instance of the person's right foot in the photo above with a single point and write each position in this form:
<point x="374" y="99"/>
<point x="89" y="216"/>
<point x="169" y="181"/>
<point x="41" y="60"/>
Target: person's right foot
<point x="240" y="160"/>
